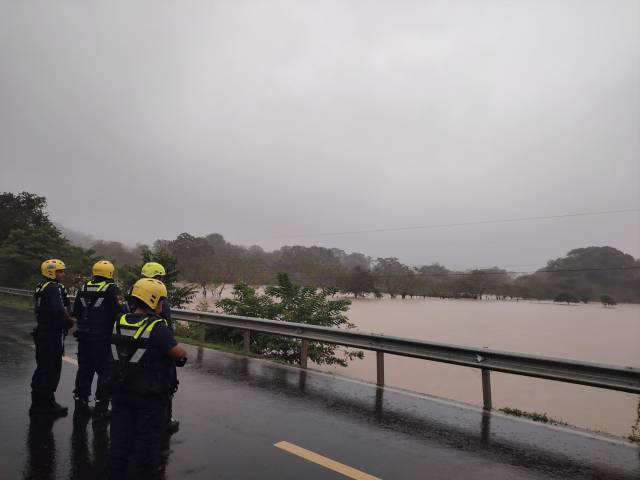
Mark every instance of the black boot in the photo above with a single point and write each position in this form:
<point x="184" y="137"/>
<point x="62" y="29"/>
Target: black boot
<point x="46" y="406"/>
<point x="173" y="425"/>
<point x="102" y="411"/>
<point x="82" y="406"/>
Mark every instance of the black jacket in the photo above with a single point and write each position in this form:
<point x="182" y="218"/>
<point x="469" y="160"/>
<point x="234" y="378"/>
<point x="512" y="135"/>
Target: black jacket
<point x="96" y="308"/>
<point x="140" y="366"/>
<point x="50" y="304"/>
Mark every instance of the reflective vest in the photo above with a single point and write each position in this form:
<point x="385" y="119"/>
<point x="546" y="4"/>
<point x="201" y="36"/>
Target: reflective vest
<point x="43" y="317"/>
<point x="95" y="317"/>
<point x="138" y="367"/>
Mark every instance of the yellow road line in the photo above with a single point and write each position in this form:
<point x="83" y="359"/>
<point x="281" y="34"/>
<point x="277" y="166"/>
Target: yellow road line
<point x="70" y="360"/>
<point x="66" y="358"/>
<point x="345" y="470"/>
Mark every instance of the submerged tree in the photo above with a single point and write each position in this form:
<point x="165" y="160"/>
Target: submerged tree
<point x="359" y="281"/>
<point x="288" y="302"/>
<point x="566" y="297"/>
<point x="608" y="301"/>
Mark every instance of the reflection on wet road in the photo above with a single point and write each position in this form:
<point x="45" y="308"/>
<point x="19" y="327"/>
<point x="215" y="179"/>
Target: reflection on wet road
<point x="234" y="410"/>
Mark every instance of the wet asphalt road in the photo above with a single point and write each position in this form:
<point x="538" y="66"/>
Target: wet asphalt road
<point x="234" y="409"/>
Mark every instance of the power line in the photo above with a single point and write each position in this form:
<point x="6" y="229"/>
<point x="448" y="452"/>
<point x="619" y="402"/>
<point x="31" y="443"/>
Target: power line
<point x="462" y="224"/>
<point x="414" y="274"/>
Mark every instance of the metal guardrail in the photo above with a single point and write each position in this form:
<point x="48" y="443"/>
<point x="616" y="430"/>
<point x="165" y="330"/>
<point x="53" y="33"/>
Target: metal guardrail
<point x="612" y="377"/>
<point x="16" y="291"/>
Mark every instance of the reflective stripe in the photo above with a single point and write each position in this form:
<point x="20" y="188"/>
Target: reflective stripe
<point x="141" y="329"/>
<point x="84" y="303"/>
<point x="40" y="288"/>
<point x="95" y="287"/>
<point x="146" y="332"/>
<point x="124" y="323"/>
<point x="138" y="355"/>
<point x="98" y="302"/>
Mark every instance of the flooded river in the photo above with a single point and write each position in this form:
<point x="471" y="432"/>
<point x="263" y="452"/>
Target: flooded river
<point x="580" y="332"/>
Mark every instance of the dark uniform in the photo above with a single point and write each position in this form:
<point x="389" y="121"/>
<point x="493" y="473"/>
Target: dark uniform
<point x="173" y="424"/>
<point x="142" y="383"/>
<point x="51" y="304"/>
<point x="96" y="309"/>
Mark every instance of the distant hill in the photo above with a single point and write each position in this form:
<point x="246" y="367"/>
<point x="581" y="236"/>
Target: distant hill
<point x="585" y="273"/>
<point x="76" y="238"/>
<point x="588" y="273"/>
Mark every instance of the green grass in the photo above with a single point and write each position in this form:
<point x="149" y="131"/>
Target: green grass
<point x="19" y="303"/>
<point x="534" y="416"/>
<point x="223" y="347"/>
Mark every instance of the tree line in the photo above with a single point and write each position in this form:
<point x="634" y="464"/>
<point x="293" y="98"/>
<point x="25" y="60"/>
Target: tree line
<point x="212" y="263"/>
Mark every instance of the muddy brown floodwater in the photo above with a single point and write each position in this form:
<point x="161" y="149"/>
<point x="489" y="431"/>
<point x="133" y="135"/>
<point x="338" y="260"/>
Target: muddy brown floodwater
<point x="580" y="332"/>
<point x="590" y="333"/>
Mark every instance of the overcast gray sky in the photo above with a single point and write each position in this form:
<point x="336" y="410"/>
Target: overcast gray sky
<point x="269" y="120"/>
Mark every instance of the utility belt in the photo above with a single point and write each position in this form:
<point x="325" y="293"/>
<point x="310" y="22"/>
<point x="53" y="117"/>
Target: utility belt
<point x="98" y="327"/>
<point x="41" y="332"/>
<point x="93" y="336"/>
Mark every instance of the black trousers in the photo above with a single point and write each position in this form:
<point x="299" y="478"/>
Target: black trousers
<point x="138" y="429"/>
<point x="93" y="358"/>
<point x="49" y="349"/>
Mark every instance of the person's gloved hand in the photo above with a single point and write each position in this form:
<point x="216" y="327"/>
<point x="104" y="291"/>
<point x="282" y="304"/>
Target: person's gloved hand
<point x="181" y="362"/>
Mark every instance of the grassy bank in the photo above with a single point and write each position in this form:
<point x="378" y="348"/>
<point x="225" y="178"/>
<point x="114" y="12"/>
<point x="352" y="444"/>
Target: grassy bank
<point x="534" y="416"/>
<point x="14" y="301"/>
<point x="223" y="347"/>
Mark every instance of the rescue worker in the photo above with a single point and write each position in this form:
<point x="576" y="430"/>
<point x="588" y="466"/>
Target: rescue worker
<point x="53" y="322"/>
<point x="157" y="271"/>
<point x="96" y="308"/>
<point x="144" y="355"/>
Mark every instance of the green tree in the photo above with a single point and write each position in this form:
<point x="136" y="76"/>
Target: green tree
<point x="179" y="296"/>
<point x="289" y="302"/>
<point x="359" y="281"/>
<point x="608" y="301"/>
<point x="392" y="276"/>
<point x="566" y="297"/>
<point x="22" y="211"/>
<point x="27" y="237"/>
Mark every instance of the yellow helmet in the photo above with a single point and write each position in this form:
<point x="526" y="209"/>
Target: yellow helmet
<point x="103" y="268"/>
<point x="152" y="269"/>
<point x="150" y="291"/>
<point x="48" y="268"/>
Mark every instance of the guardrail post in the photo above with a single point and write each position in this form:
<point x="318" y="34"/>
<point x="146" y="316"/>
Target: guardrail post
<point x="380" y="363"/>
<point x="202" y="332"/>
<point x="246" y="341"/>
<point x="304" y="353"/>
<point x="486" y="389"/>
